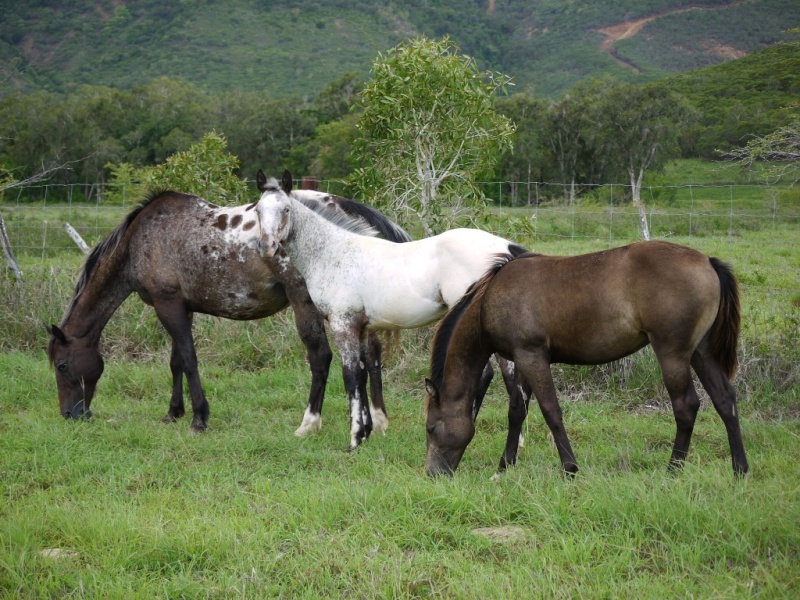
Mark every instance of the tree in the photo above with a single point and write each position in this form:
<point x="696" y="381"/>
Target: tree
<point x="206" y="169"/>
<point x="428" y="128"/>
<point x="564" y="135"/>
<point x="640" y="130"/>
<point x="527" y="162"/>
<point x="779" y="151"/>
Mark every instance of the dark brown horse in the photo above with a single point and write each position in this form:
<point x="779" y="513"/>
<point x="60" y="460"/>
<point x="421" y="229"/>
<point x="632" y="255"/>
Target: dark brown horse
<point x="590" y="309"/>
<point x="182" y="255"/>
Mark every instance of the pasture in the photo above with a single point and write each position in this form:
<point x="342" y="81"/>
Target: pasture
<point x="124" y="506"/>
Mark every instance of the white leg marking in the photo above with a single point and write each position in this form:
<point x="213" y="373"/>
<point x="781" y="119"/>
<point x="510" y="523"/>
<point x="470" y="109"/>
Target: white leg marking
<point x="311" y="424"/>
<point x="355" y="413"/>
<point x="380" y="422"/>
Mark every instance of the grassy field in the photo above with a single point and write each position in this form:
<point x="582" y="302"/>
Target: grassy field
<point x="126" y="507"/>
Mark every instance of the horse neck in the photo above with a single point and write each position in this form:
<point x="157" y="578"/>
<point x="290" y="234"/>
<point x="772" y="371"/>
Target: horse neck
<point x="102" y="294"/>
<point x="467" y="355"/>
<point x="311" y="237"/>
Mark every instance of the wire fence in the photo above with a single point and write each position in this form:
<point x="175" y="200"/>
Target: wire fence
<point x="755" y="227"/>
<point x="34" y="215"/>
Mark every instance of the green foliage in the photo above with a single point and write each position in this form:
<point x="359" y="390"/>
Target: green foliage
<point x="754" y="95"/>
<point x="206" y="169"/>
<point x="428" y="129"/>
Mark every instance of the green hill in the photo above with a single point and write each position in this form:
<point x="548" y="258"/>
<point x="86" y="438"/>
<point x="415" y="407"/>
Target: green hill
<point x="296" y="49"/>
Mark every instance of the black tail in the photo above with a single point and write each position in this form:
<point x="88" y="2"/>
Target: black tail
<point x="725" y="331"/>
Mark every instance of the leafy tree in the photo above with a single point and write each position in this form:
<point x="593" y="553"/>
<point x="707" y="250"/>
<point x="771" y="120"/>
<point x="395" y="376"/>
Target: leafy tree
<point x="206" y="169"/>
<point x="640" y="131"/>
<point x="528" y="161"/>
<point x="428" y="128"/>
<point x="333" y="145"/>
<point x="564" y="133"/>
<point x="263" y="132"/>
<point x="336" y="101"/>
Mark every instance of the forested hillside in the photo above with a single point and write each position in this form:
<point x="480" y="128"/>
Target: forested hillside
<point x="296" y="49"/>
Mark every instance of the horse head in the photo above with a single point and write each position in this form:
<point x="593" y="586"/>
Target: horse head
<point x="274" y="210"/>
<point x="450" y="430"/>
<point x="78" y="366"/>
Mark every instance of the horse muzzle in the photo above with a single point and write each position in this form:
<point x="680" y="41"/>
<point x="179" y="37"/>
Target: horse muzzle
<point x="78" y="412"/>
<point x="268" y="247"/>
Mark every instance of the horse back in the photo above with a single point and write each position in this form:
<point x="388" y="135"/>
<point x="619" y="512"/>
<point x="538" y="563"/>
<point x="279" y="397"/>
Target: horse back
<point x="598" y="307"/>
<point x="183" y="246"/>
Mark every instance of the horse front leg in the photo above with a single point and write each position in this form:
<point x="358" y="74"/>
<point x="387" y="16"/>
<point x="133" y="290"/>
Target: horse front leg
<point x="311" y="328"/>
<point x="519" y="400"/>
<point x="534" y="367"/>
<point x="483" y="386"/>
<point x="176" y="407"/>
<point x="374" y="367"/>
<point x="348" y="340"/>
<point x="177" y="321"/>
<point x="310" y="325"/>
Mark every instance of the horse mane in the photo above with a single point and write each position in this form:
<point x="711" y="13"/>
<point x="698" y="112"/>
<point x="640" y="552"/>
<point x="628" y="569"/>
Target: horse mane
<point x="474" y="293"/>
<point x="387" y="228"/>
<point x="106" y="248"/>
<point x="354" y="224"/>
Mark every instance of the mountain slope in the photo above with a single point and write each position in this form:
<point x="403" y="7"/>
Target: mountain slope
<point x="297" y="49"/>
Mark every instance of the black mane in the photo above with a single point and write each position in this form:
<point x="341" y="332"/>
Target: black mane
<point x="474" y="293"/>
<point x="107" y="246"/>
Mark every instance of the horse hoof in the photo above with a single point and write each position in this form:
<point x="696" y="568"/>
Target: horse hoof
<point x="380" y="422"/>
<point x="312" y="423"/>
<point x="198" y="427"/>
<point x="169" y="419"/>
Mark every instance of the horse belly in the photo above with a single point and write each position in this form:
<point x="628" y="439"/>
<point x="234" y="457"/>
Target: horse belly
<point x="598" y="346"/>
<point x="404" y="314"/>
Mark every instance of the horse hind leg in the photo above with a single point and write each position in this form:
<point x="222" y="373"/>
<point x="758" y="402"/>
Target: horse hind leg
<point x="374" y="367"/>
<point x="723" y="396"/>
<point x="677" y="378"/>
<point x="178" y="322"/>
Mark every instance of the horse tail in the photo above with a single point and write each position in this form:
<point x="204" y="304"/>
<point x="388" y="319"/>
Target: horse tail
<point x="725" y="330"/>
<point x="475" y="293"/>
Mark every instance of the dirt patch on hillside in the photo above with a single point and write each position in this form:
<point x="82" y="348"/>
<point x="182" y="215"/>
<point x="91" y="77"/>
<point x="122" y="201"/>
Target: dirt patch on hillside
<point x="628" y="29"/>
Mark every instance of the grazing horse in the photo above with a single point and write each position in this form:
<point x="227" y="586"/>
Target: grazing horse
<point x="182" y="255"/>
<point x="589" y="309"/>
<point x="363" y="284"/>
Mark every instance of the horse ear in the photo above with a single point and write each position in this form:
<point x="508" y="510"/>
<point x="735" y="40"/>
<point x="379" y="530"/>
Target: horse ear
<point x="433" y="392"/>
<point x="286" y="182"/>
<point x="56" y="333"/>
<point x="261" y="181"/>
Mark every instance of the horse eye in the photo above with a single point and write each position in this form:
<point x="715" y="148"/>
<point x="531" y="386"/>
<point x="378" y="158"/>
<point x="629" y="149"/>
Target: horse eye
<point x="62" y="367"/>
<point x="286" y="210"/>
<point x="431" y="429"/>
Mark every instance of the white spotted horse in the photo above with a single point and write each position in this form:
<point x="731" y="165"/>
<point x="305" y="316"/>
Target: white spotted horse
<point x="363" y="284"/>
<point x="183" y="255"/>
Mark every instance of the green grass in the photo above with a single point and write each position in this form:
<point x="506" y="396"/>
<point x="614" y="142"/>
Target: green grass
<point x="125" y="506"/>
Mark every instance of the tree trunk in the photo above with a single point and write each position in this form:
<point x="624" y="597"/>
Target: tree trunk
<point x="636" y="187"/>
<point x="7" y="249"/>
